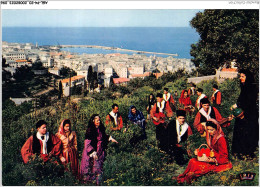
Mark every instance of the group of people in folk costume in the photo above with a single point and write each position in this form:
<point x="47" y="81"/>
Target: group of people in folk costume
<point x="172" y="134"/>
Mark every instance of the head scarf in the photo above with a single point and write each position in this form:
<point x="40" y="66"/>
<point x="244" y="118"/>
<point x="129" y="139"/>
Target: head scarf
<point x="182" y="94"/>
<point x="211" y="141"/>
<point x="61" y="128"/>
<point x="182" y="99"/>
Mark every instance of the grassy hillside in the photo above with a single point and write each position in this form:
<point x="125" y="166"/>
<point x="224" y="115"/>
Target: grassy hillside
<point x="143" y="164"/>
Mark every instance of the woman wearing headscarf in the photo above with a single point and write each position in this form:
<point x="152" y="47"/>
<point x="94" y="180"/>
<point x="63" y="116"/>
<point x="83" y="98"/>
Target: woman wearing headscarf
<point x="246" y="129"/>
<point x="93" y="155"/>
<point x="69" y="153"/>
<point x="185" y="101"/>
<point x="217" y="143"/>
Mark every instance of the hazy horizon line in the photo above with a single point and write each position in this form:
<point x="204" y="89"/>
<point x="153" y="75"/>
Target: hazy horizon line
<point x="98" y="26"/>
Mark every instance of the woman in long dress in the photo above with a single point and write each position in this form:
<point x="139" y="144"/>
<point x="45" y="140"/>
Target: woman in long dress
<point x="69" y="153"/>
<point x="93" y="155"/>
<point x="246" y="129"/>
<point x="217" y="143"/>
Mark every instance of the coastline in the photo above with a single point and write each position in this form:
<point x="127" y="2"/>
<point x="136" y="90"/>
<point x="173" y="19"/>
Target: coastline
<point x="114" y="48"/>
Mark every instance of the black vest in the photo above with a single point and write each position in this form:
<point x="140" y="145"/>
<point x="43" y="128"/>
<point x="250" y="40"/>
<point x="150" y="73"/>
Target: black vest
<point x="212" y="115"/>
<point x="172" y="134"/>
<point x="36" y="146"/>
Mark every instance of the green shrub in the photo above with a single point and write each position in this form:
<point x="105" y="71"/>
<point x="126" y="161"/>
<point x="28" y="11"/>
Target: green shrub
<point x="142" y="164"/>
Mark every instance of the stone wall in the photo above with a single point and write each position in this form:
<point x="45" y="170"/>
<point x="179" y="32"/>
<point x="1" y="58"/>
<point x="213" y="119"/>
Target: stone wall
<point x="220" y="77"/>
<point x="197" y="80"/>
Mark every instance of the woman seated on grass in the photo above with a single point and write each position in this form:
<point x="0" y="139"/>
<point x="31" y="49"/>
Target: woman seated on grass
<point x="217" y="163"/>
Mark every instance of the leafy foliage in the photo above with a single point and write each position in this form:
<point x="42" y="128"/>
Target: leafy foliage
<point x="142" y="164"/>
<point x="226" y="35"/>
<point x="67" y="72"/>
<point x="38" y="66"/>
<point x="23" y="73"/>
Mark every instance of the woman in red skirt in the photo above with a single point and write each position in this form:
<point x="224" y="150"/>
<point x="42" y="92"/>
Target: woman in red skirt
<point x="217" y="143"/>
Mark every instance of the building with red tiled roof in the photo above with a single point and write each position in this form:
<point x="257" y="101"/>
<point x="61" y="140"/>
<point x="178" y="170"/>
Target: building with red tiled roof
<point x="146" y="74"/>
<point x="121" y="81"/>
<point x="22" y="60"/>
<point x="19" y="63"/>
<point x="72" y="79"/>
<point x="226" y="73"/>
<point x="229" y="70"/>
<point x="68" y="83"/>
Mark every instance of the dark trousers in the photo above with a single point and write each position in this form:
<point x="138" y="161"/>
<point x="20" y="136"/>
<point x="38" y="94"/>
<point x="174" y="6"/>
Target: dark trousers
<point x="160" y="136"/>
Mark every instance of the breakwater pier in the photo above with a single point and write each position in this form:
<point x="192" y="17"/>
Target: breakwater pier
<point x="115" y="48"/>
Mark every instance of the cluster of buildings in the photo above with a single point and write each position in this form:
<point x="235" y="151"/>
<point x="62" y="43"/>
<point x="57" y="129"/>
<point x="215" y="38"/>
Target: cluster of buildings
<point x="122" y="67"/>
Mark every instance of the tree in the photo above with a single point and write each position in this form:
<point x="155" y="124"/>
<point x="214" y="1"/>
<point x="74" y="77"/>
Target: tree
<point x="23" y="73"/>
<point x="90" y="73"/>
<point x="111" y="83"/>
<point x="4" y="62"/>
<point x="226" y="35"/>
<point x="95" y="80"/>
<point x="74" y="89"/>
<point x="66" y="72"/>
<point x="136" y="83"/>
<point x="37" y="66"/>
<point x="60" y="90"/>
<point x="6" y="76"/>
<point x="90" y="77"/>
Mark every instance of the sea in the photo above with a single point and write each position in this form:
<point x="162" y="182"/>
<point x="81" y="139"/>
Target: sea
<point x="152" y="39"/>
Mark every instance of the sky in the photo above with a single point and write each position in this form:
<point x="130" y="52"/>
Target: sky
<point x="97" y="18"/>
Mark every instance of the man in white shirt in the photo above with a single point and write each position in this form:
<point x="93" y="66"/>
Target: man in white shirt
<point x="201" y="95"/>
<point x="178" y="132"/>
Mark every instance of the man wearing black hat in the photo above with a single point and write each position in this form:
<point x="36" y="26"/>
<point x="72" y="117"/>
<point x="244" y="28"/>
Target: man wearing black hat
<point x="216" y="96"/>
<point x="208" y="113"/>
<point x="177" y="134"/>
<point x="158" y="117"/>
<point x="43" y="143"/>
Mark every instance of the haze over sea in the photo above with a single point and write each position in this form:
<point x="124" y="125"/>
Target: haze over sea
<point x="153" y="39"/>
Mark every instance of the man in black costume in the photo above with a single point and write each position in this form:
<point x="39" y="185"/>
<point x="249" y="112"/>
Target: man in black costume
<point x="178" y="132"/>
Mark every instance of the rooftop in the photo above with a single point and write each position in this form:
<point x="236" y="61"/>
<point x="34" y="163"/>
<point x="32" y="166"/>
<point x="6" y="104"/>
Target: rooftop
<point x="120" y="80"/>
<point x="229" y="69"/>
<point x="73" y="78"/>
<point x="21" y="61"/>
<point x="146" y="74"/>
